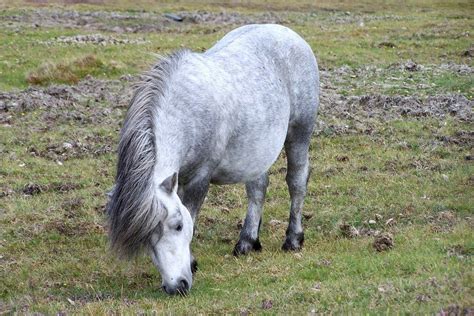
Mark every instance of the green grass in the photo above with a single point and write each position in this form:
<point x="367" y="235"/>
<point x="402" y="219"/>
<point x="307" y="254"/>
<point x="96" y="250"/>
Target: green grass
<point x="337" y="38"/>
<point x="53" y="245"/>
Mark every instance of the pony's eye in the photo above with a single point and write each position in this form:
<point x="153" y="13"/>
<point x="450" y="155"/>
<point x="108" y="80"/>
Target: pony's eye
<point x="179" y="227"/>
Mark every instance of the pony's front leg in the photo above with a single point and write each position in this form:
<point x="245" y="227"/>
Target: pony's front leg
<point x="192" y="196"/>
<point x="248" y="240"/>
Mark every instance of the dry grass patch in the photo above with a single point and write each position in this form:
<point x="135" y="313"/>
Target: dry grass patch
<point x="68" y="72"/>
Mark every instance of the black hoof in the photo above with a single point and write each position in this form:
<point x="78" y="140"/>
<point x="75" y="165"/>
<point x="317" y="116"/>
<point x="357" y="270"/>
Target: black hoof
<point x="244" y="246"/>
<point x="293" y="242"/>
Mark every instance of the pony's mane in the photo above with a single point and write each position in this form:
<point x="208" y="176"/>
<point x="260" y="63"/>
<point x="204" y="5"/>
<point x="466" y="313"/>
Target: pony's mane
<point x="134" y="212"/>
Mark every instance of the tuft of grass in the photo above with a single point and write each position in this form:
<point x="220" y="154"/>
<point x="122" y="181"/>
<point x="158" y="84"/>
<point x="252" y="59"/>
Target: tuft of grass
<point x="68" y="72"/>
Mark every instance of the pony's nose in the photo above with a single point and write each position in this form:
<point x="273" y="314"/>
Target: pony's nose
<point x="183" y="287"/>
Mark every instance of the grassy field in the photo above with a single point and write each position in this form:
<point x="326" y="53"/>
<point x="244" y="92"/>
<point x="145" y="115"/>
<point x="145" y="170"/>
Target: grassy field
<point x="393" y="153"/>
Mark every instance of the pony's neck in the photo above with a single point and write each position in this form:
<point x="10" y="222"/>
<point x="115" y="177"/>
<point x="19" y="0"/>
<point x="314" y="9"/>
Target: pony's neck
<point x="169" y="141"/>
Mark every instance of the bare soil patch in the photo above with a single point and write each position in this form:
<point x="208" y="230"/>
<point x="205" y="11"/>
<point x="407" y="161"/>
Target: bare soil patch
<point x="117" y="93"/>
<point x="460" y="251"/>
<point x="72" y="207"/>
<point x="96" y="101"/>
<point x="35" y="188"/>
<point x="122" y="22"/>
<point x="460" y="138"/>
<point x="86" y="92"/>
<point x="89" y="146"/>
<point x="455" y="310"/>
<point x="356" y="113"/>
<point x="75" y="229"/>
<point x="96" y="39"/>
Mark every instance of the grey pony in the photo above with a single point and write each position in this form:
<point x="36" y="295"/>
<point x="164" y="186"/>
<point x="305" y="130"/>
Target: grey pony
<point x="218" y="117"/>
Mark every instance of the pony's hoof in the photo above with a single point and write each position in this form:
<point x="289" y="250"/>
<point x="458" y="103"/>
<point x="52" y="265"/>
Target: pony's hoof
<point x="244" y="246"/>
<point x="293" y="242"/>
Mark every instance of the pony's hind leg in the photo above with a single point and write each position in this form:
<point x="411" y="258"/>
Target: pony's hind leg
<point x="248" y="239"/>
<point x="297" y="179"/>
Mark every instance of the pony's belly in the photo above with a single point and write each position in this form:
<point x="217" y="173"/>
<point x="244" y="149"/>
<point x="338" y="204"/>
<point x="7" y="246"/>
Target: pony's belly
<point x="245" y="163"/>
<point x="239" y="171"/>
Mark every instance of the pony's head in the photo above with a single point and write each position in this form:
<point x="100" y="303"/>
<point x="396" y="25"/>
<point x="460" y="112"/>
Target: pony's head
<point x="170" y="242"/>
<point x="164" y="228"/>
<point x="144" y="210"/>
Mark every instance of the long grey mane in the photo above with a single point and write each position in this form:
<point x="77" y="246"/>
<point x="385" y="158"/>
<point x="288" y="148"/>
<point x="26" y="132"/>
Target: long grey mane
<point x="134" y="211"/>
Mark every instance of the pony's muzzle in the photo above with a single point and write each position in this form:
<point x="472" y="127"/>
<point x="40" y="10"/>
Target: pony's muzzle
<point x="182" y="287"/>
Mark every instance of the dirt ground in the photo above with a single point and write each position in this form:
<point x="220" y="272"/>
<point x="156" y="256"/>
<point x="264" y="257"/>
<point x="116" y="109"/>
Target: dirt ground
<point x="141" y="22"/>
<point x="77" y="99"/>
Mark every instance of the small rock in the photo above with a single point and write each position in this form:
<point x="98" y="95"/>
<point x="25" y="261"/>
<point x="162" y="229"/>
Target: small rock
<point x="267" y="304"/>
<point x="372" y="222"/>
<point x="174" y="17"/>
<point x="383" y="242"/>
<point x="411" y="66"/>
<point x="390" y="222"/>
<point x="67" y="145"/>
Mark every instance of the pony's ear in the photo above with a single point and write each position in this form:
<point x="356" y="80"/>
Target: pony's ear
<point x="170" y="184"/>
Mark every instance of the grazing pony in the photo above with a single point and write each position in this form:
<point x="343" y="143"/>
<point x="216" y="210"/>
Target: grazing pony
<point x="219" y="117"/>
